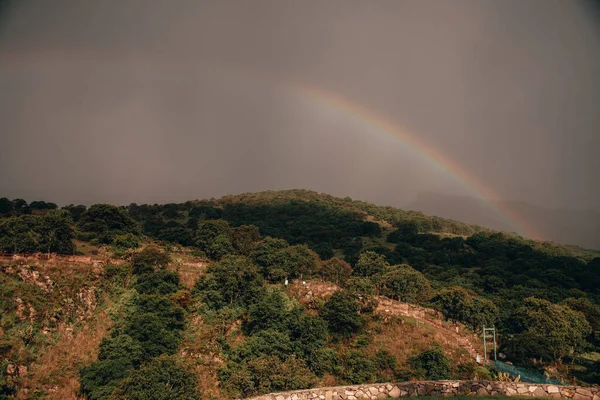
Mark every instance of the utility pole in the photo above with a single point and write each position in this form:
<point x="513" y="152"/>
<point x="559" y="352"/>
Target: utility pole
<point x="492" y="332"/>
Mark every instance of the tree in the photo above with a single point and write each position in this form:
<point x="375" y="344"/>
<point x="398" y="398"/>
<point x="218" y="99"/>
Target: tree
<point x="588" y="308"/>
<point x="149" y="259"/>
<point x="272" y="311"/>
<point x="266" y="374"/>
<point x="244" y="238"/>
<point x="99" y="380"/>
<point x="214" y="238"/>
<point x="104" y="222"/>
<point x="57" y="232"/>
<point x="126" y="241"/>
<point x="232" y="281"/>
<point x="550" y="330"/>
<point x="21" y="234"/>
<point x="370" y="263"/>
<point x="335" y="270"/>
<point x="432" y="364"/>
<point x="75" y="211"/>
<point x="297" y="261"/>
<point x="459" y="304"/>
<point x="162" y="378"/>
<point x="6" y="207"/>
<point x="364" y="291"/>
<point x="265" y="255"/>
<point x="159" y="282"/>
<point x="341" y="313"/>
<point x="357" y="368"/>
<point x="405" y="284"/>
<point x="42" y="205"/>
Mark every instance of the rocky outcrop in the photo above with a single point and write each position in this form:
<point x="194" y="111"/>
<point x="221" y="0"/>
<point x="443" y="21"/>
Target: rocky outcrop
<point x="437" y="388"/>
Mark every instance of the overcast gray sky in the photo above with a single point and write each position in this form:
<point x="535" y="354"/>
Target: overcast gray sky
<point x="153" y="101"/>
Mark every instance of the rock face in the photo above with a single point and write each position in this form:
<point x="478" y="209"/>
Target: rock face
<point x="437" y="388"/>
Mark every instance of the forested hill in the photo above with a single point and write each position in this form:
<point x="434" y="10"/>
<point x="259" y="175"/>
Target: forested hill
<point x="543" y="298"/>
<point x="325" y="222"/>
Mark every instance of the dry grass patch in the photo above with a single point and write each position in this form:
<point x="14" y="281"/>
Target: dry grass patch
<point x="57" y="369"/>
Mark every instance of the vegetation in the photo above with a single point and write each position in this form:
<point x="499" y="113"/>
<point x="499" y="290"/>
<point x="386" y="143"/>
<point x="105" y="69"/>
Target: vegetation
<point x="132" y="359"/>
<point x="254" y="336"/>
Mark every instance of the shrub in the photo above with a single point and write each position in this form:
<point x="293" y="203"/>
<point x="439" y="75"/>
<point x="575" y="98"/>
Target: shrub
<point x="341" y="313"/>
<point x="161" y="282"/>
<point x="267" y="374"/>
<point x="357" y="368"/>
<point x="163" y="378"/>
<point x="100" y="379"/>
<point x="432" y="364"/>
<point x="150" y="259"/>
<point x="370" y="263"/>
<point x="405" y="284"/>
<point x="126" y="241"/>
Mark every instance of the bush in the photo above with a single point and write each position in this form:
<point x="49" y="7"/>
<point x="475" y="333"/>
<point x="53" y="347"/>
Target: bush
<point x="100" y="379"/>
<point x="357" y="368"/>
<point x="406" y="284"/>
<point x="234" y="281"/>
<point x="370" y="263"/>
<point x="341" y="313"/>
<point x="105" y="222"/>
<point x="432" y="364"/>
<point x="150" y="259"/>
<point x="267" y="374"/>
<point x="163" y="378"/>
<point x="126" y="241"/>
<point x="161" y="282"/>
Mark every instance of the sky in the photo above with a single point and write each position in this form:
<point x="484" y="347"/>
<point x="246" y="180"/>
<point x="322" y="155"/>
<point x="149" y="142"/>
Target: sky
<point x="152" y="101"/>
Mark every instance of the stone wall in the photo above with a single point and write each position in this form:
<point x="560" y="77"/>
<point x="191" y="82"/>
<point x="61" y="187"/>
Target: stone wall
<point x="437" y="388"/>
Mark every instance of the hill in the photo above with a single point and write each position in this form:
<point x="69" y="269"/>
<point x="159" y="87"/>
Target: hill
<point x="580" y="227"/>
<point x="209" y="294"/>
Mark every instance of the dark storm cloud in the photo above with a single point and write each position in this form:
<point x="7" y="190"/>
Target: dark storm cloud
<point x="153" y="101"/>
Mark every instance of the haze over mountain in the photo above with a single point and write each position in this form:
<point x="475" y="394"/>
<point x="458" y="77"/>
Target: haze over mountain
<point x="564" y="225"/>
<point x="151" y="101"/>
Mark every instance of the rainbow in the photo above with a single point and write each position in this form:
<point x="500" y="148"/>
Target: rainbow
<point x="423" y="149"/>
<point x="361" y="113"/>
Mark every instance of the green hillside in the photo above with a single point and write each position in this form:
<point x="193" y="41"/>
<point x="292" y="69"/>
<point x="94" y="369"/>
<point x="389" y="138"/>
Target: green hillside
<point x="193" y="293"/>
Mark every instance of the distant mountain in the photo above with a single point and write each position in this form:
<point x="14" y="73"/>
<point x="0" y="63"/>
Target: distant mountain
<point x="577" y="227"/>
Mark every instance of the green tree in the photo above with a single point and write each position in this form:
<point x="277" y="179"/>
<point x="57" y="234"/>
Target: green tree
<point x="104" y="222"/>
<point x="266" y="374"/>
<point x="357" y="368"/>
<point x="341" y="311"/>
<point x="244" y="238"/>
<point x="99" y="380"/>
<point x="214" y="238"/>
<point x="272" y="311"/>
<point x="162" y="378"/>
<point x="234" y="281"/>
<point x="159" y="282"/>
<point x="370" y="263"/>
<point x="432" y="364"/>
<point x="57" y="233"/>
<point x="405" y="283"/>
<point x="550" y="330"/>
<point x="461" y="305"/>
<point x="588" y="308"/>
<point x="126" y="241"/>
<point x="335" y="270"/>
<point x="297" y="261"/>
<point x="149" y="259"/>
<point x="21" y="234"/>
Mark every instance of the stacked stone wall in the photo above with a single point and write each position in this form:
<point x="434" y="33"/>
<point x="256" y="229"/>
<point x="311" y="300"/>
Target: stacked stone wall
<point x="437" y="388"/>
